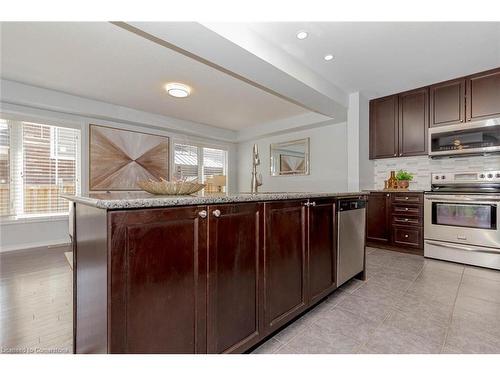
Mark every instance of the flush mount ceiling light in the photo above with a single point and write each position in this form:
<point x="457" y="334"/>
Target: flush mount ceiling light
<point x="178" y="90"/>
<point x="302" y="35"/>
<point x="328" y="57"/>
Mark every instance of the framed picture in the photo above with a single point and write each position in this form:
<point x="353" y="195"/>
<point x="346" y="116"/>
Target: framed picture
<point x="290" y="158"/>
<point x="119" y="158"/>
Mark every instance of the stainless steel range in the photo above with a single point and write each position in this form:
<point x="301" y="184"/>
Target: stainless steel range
<point x="461" y="218"/>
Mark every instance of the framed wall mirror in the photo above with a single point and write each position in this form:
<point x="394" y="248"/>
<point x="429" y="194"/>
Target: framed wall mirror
<point x="290" y="158"/>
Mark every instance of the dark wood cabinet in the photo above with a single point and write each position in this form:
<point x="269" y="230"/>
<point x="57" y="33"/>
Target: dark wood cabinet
<point x="234" y="315"/>
<point x="158" y="281"/>
<point x="399" y="123"/>
<point x="199" y="279"/>
<point x="413" y="122"/>
<point x="322" y="235"/>
<point x="483" y="95"/>
<point x="285" y="262"/>
<point x="384" y="127"/>
<point x="447" y="103"/>
<point x="395" y="221"/>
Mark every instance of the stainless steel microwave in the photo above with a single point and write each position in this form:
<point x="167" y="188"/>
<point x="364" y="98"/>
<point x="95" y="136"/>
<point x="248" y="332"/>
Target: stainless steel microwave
<point x="478" y="138"/>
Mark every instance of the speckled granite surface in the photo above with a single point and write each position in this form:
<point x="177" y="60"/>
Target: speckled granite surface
<point x="117" y="200"/>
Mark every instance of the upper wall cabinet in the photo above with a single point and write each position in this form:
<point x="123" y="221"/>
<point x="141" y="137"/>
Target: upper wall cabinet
<point x="398" y="124"/>
<point x="447" y="103"/>
<point x="413" y="122"/>
<point x="483" y="95"/>
<point x="384" y="127"/>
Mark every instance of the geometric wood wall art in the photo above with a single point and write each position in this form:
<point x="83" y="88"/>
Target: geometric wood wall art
<point x="119" y="158"/>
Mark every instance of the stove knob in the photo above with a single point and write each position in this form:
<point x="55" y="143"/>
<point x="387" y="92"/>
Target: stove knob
<point x="436" y="177"/>
<point x="443" y="177"/>
<point x="490" y="175"/>
<point x="481" y="175"/>
<point x="497" y="175"/>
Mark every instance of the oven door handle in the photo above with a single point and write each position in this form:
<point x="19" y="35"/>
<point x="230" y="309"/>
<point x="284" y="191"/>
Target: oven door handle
<point x="463" y="200"/>
<point x="461" y="247"/>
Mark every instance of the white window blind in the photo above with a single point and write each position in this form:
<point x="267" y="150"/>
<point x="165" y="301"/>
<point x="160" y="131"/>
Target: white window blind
<point x="4" y="168"/>
<point x="186" y="162"/>
<point x="214" y="163"/>
<point x="43" y="164"/>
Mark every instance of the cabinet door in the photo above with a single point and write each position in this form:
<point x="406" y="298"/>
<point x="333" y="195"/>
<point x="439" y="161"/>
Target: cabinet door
<point x="413" y="122"/>
<point x="234" y="285"/>
<point x="378" y="218"/>
<point x="384" y="127"/>
<point x="447" y="103"/>
<point x="285" y="262"/>
<point x="158" y="286"/>
<point x="321" y="249"/>
<point x="483" y="95"/>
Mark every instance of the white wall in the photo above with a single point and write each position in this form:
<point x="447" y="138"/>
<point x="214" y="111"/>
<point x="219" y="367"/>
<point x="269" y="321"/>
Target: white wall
<point x="328" y="161"/>
<point x="70" y="111"/>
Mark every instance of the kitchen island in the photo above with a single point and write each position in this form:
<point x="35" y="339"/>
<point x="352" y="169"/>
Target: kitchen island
<point x="211" y="273"/>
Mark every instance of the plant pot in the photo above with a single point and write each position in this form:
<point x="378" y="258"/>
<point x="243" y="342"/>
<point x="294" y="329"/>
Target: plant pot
<point x="403" y="184"/>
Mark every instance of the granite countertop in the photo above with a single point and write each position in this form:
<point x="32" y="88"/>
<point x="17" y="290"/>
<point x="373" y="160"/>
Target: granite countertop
<point x="392" y="191"/>
<point x="123" y="200"/>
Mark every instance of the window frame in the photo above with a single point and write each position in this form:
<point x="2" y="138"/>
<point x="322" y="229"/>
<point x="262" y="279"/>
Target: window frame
<point x="17" y="214"/>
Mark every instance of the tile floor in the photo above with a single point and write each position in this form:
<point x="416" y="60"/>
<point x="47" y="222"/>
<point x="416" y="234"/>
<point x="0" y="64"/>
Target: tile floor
<point x="408" y="304"/>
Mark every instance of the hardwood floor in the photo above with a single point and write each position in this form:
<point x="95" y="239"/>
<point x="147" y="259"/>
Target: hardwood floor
<point x="36" y="313"/>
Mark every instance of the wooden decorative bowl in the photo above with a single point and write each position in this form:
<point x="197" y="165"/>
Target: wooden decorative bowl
<point x="164" y="187"/>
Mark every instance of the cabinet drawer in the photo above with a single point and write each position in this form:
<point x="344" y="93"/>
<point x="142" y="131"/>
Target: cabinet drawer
<point x="406" y="210"/>
<point x="402" y="220"/>
<point x="407" y="236"/>
<point x="407" y="198"/>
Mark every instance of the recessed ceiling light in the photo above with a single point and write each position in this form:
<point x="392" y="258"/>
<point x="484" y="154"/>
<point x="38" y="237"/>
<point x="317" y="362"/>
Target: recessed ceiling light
<point x="178" y="90"/>
<point x="302" y="35"/>
<point x="328" y="57"/>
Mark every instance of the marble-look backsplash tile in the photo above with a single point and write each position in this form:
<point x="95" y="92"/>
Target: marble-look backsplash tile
<point x="423" y="166"/>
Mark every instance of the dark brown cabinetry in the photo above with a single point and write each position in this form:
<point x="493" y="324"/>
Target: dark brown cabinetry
<point x="395" y="221"/>
<point x="377" y="218"/>
<point x="285" y="261"/>
<point x="483" y="95"/>
<point x="413" y="122"/>
<point x="399" y="123"/>
<point x="322" y="235"/>
<point x="199" y="279"/>
<point x="158" y="281"/>
<point x="234" y="312"/>
<point x="384" y="127"/>
<point x="447" y="103"/>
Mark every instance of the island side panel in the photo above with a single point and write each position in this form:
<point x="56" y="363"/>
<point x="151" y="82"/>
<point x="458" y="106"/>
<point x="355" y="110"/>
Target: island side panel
<point x="90" y="300"/>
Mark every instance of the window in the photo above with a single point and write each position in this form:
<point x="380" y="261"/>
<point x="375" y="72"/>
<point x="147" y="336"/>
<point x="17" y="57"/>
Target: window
<point x="44" y="162"/>
<point x="201" y="163"/>
<point x="4" y="168"/>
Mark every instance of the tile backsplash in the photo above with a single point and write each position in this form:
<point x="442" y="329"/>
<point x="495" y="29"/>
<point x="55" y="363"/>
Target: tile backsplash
<point x="422" y="166"/>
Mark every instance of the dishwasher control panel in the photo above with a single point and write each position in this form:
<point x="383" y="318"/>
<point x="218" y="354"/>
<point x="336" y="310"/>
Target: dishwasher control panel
<point x="351" y="204"/>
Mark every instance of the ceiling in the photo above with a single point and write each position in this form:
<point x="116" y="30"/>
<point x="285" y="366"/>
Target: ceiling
<point x="384" y="58"/>
<point x="104" y="62"/>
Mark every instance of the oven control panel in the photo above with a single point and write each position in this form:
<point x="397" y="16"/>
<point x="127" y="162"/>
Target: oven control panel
<point x="465" y="178"/>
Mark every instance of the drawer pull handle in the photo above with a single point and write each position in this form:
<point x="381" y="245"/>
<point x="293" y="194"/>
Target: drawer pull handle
<point x="216" y="213"/>
<point x="202" y="214"/>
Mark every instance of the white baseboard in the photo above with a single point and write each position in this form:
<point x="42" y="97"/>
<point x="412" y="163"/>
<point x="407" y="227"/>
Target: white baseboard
<point x="32" y="245"/>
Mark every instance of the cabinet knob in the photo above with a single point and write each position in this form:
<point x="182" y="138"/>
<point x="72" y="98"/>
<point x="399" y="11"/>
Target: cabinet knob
<point x="406" y="219"/>
<point x="406" y="208"/>
<point x="406" y="198"/>
<point x="395" y="154"/>
<point x="216" y="213"/>
<point x="400" y="154"/>
<point x="388" y="195"/>
<point x="406" y="236"/>
<point x="313" y="204"/>
<point x="202" y="214"/>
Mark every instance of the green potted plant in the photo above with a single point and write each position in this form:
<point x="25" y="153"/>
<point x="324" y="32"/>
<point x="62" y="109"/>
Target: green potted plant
<point x="404" y="179"/>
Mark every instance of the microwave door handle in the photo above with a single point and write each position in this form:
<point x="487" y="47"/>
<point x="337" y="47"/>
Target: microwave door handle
<point x="461" y="247"/>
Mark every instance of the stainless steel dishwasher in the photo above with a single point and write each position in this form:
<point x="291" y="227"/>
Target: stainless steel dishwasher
<point x="351" y="238"/>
